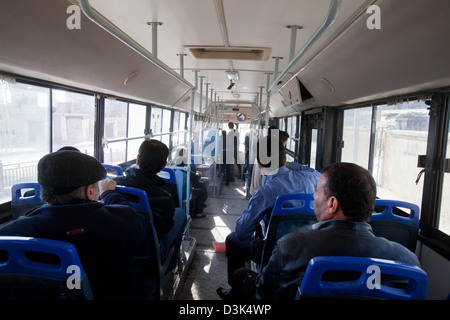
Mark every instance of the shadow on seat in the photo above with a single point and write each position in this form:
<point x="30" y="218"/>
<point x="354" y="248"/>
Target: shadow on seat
<point x="291" y="212"/>
<point x="362" y="278"/>
<point x="397" y="221"/>
<point x="41" y="269"/>
<point x="25" y="197"/>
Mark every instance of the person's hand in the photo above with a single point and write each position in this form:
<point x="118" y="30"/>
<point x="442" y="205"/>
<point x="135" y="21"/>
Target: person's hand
<point x="106" y="185"/>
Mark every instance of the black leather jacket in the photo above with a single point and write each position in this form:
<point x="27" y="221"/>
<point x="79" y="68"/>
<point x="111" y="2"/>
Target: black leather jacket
<point x="286" y="267"/>
<point x="161" y="201"/>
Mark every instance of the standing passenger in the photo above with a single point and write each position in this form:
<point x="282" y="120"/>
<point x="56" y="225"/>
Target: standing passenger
<point x="106" y="235"/>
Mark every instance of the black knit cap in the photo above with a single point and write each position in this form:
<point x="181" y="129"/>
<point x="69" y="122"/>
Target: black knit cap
<point x="63" y="171"/>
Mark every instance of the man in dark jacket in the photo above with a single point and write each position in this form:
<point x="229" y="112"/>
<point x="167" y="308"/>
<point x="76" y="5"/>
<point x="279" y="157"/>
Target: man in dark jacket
<point x="169" y="221"/>
<point x="107" y="235"/>
<point x="344" y="200"/>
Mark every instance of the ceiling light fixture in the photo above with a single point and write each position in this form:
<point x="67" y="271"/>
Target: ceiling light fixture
<point x="232" y="75"/>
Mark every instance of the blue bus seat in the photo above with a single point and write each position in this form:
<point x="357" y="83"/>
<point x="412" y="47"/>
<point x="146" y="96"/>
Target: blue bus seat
<point x="149" y="256"/>
<point x="325" y="278"/>
<point x="33" y="268"/>
<point x="24" y="197"/>
<point x="116" y="169"/>
<point x="391" y="221"/>
<point x="291" y="213"/>
<point x="169" y="176"/>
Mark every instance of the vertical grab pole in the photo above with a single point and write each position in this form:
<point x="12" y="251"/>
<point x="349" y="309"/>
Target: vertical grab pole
<point x="154" y="26"/>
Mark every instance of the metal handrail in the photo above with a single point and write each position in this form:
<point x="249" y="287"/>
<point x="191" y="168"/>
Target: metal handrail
<point x="331" y="16"/>
<point x="93" y="15"/>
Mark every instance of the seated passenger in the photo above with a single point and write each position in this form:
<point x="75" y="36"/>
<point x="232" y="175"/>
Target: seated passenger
<point x="343" y="202"/>
<point x="169" y="221"/>
<point x="106" y="235"/>
<point x="256" y="178"/>
<point x="242" y="245"/>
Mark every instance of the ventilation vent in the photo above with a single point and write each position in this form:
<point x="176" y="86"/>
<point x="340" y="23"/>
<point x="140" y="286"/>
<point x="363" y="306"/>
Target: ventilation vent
<point x="229" y="53"/>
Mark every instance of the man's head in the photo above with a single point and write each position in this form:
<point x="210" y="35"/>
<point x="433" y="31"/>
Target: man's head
<point x="345" y="191"/>
<point x="68" y="174"/>
<point x="230" y="125"/>
<point x="270" y="152"/>
<point x="152" y="156"/>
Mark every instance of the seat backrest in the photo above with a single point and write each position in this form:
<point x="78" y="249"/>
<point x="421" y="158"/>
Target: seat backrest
<point x="33" y="268"/>
<point x="396" y="221"/>
<point x="291" y="212"/>
<point x="24" y="197"/>
<point x="330" y="277"/>
<point x="169" y="176"/>
<point x="118" y="171"/>
<point x="149" y="255"/>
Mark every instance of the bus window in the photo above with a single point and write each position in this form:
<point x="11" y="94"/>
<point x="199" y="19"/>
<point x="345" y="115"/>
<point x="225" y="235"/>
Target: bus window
<point x="400" y="136"/>
<point x="115" y="128"/>
<point x="73" y="120"/>
<point x="313" y="154"/>
<point x="156" y="122"/>
<point x="167" y="114"/>
<point x="356" y="136"/>
<point x="136" y="128"/>
<point x="444" y="216"/>
<point x="24" y="133"/>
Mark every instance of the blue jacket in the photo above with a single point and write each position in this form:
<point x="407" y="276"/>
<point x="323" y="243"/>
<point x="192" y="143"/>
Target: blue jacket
<point x="301" y="179"/>
<point x="107" y="237"/>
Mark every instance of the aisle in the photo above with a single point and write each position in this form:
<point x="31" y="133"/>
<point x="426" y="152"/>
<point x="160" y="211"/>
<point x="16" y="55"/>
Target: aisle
<point x="209" y="268"/>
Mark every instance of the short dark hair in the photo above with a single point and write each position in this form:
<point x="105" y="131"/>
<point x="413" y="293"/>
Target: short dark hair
<point x="264" y="148"/>
<point x="153" y="154"/>
<point x="354" y="187"/>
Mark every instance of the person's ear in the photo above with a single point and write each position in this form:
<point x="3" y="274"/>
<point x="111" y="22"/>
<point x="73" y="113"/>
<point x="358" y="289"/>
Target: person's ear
<point x="91" y="193"/>
<point x="138" y="160"/>
<point x="165" y="164"/>
<point x="332" y="205"/>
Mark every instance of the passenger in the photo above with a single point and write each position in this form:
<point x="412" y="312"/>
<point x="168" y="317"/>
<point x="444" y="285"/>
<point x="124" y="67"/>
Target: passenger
<point x="257" y="176"/>
<point x="106" y="235"/>
<point x="343" y="202"/>
<point x="169" y="221"/>
<point x="242" y="245"/>
<point x="231" y="154"/>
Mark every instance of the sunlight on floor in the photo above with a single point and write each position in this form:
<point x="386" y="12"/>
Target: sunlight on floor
<point x="220" y="231"/>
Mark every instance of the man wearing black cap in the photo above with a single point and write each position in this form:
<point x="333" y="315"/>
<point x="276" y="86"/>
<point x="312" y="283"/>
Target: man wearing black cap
<point x="106" y="234"/>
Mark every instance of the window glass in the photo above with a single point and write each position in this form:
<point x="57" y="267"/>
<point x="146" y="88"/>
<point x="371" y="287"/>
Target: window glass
<point x="73" y="120"/>
<point x="313" y="155"/>
<point x="166" y="127"/>
<point x="401" y="133"/>
<point x="176" y="128"/>
<point x="156" y="122"/>
<point x="136" y="128"/>
<point x="444" y="217"/>
<point x="115" y="128"/>
<point x="356" y="136"/>
<point x="24" y="133"/>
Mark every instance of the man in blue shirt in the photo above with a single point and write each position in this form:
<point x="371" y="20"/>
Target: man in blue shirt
<point x="242" y="245"/>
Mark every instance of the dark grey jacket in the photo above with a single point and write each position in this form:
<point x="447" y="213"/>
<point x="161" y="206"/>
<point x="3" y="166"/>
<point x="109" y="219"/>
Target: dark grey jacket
<point x="286" y="267"/>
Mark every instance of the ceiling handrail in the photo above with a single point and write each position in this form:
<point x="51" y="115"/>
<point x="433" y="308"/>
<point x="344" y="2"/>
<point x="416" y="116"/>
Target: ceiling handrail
<point x="329" y="19"/>
<point x="93" y="15"/>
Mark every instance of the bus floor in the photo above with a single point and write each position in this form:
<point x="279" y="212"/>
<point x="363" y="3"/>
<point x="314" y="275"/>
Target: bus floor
<point x="208" y="269"/>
